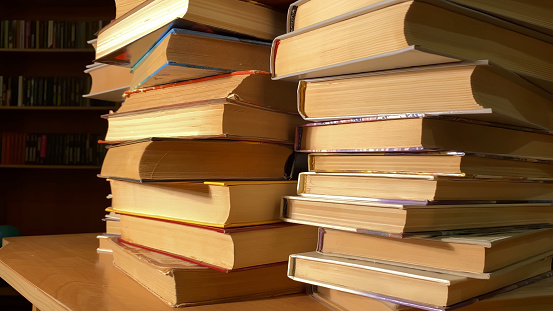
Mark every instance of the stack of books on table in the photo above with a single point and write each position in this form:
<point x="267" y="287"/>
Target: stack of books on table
<point x="198" y="152"/>
<point x="430" y="170"/>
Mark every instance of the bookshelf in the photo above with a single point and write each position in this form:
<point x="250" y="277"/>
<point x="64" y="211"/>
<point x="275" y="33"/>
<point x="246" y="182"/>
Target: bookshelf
<point x="52" y="197"/>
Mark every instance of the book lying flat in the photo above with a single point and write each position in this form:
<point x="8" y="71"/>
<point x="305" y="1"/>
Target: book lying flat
<point x="424" y="289"/>
<point x="475" y="255"/>
<point x="222" y="249"/>
<point x="184" y="55"/>
<point x="411" y="33"/>
<point x="180" y="283"/>
<point x="534" y="296"/>
<point x="459" y="164"/>
<point x="248" y="87"/>
<point x="125" y="40"/>
<point x="217" y="117"/>
<point x="413" y="133"/>
<point x="217" y="204"/>
<point x="423" y="187"/>
<point x="404" y="219"/>
<point x="473" y="90"/>
<point x="108" y="82"/>
<point x="195" y="159"/>
<point x="531" y="14"/>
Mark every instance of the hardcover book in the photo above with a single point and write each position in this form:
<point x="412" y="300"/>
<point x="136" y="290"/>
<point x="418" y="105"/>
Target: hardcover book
<point x="216" y="204"/>
<point x="196" y="159"/>
<point x="184" y="55"/>
<point x="423" y="289"/>
<point x="222" y="249"/>
<point x="247" y="87"/>
<point x="180" y="283"/>
<point x="397" y="218"/>
<point x="410" y="33"/>
<point x="480" y="91"/>
<point x="125" y="40"/>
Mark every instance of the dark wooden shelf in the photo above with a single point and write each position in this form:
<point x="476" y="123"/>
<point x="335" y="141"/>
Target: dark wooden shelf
<point x="47" y="51"/>
<point x="51" y="167"/>
<point x="60" y="108"/>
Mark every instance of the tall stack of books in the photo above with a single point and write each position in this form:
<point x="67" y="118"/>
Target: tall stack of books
<point x="430" y="158"/>
<point x="199" y="150"/>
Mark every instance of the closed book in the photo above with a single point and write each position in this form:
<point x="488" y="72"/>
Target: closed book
<point x="184" y="55"/>
<point x="388" y="133"/>
<point x="249" y="87"/>
<point x="222" y="249"/>
<point x="425" y="289"/>
<point x="109" y="82"/>
<point x="423" y="188"/>
<point x="125" y="40"/>
<point x="398" y="218"/>
<point x="431" y="163"/>
<point x="475" y="255"/>
<point x="410" y="33"/>
<point x="534" y="296"/>
<point x="480" y="91"/>
<point x="217" y="204"/>
<point x="531" y="14"/>
<point x="164" y="160"/>
<point x="217" y="117"/>
<point x="180" y="283"/>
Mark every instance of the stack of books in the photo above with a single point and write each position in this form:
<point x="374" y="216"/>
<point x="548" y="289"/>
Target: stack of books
<point x="429" y="169"/>
<point x="198" y="153"/>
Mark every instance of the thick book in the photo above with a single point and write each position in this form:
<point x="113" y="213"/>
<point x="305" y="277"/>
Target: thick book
<point x="534" y="296"/>
<point x="195" y="159"/>
<point x="480" y="90"/>
<point x="108" y="82"/>
<point x="475" y="255"/>
<point x="406" y="218"/>
<point x="248" y="87"/>
<point x="180" y="283"/>
<point x="125" y="40"/>
<point x="460" y="164"/>
<point x="423" y="187"/>
<point x="184" y="55"/>
<point x="424" y="289"/>
<point x="222" y="249"/>
<point x="410" y="33"/>
<point x="412" y="133"/>
<point x="217" y="204"/>
<point x="531" y="14"/>
<point x="217" y="117"/>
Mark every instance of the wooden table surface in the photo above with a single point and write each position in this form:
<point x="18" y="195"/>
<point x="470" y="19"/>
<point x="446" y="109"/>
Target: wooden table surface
<point x="64" y="272"/>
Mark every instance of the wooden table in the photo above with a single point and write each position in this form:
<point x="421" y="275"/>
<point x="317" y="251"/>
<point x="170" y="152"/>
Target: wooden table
<point x="64" y="272"/>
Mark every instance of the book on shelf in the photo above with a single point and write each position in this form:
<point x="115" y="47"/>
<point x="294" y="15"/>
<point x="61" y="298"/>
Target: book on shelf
<point x="217" y="117"/>
<point x="423" y="187"/>
<point x="411" y="33"/>
<point x="475" y="255"/>
<point x="180" y="283"/>
<point x="47" y="34"/>
<point x="184" y="55"/>
<point x="397" y="218"/>
<point x="109" y="82"/>
<point x="247" y="87"/>
<point x="419" y="288"/>
<point x="462" y="164"/>
<point x="531" y="14"/>
<point x="195" y="159"/>
<point x="480" y="90"/>
<point x="23" y="91"/>
<point x="416" y="133"/>
<point x="534" y="296"/>
<point x="123" y="42"/>
<point x="220" y="248"/>
<point x="51" y="149"/>
<point x="216" y="204"/>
